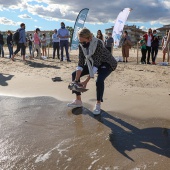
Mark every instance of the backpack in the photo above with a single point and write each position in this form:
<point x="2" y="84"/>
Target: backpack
<point x="16" y="36"/>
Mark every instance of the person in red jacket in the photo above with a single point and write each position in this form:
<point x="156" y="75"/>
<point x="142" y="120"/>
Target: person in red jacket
<point x="148" y="37"/>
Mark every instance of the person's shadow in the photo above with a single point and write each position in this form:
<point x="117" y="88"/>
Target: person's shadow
<point x="4" y="78"/>
<point x="126" y="137"/>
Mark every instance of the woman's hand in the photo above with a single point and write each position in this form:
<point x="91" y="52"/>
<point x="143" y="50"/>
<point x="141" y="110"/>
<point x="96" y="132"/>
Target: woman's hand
<point x="165" y="49"/>
<point x="84" y="84"/>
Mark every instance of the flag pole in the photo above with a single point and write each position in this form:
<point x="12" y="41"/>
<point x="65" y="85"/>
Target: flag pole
<point x="75" y="25"/>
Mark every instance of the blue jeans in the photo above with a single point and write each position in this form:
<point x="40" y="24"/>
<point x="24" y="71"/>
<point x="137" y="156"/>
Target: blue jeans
<point x="10" y="48"/>
<point x="56" y="46"/>
<point x="2" y="50"/>
<point x="103" y="72"/>
<point x="64" y="43"/>
<point x="30" y="49"/>
<point x="154" y="52"/>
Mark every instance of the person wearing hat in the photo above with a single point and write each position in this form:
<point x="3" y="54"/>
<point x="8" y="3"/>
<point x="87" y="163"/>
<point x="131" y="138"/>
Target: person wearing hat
<point x="64" y="35"/>
<point x="21" y="45"/>
<point x="56" y="44"/>
<point x="36" y="43"/>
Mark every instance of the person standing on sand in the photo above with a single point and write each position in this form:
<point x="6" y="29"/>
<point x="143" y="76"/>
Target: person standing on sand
<point x="56" y="44"/>
<point x="64" y="35"/>
<point x="155" y="46"/>
<point x="44" y="45"/>
<point x="30" y="43"/>
<point x="109" y="42"/>
<point x="164" y="41"/>
<point x="126" y="45"/>
<point x="21" y="45"/>
<point x="100" y="35"/>
<point x="1" y="45"/>
<point x="36" y="44"/>
<point x="93" y="58"/>
<point x="142" y="44"/>
<point x="10" y="43"/>
<point x="148" y="36"/>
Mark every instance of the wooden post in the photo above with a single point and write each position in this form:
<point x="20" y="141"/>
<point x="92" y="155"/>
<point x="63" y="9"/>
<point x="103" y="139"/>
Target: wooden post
<point x="137" y="53"/>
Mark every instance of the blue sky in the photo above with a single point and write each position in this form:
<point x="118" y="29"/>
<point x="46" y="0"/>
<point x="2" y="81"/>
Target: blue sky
<point x="48" y="14"/>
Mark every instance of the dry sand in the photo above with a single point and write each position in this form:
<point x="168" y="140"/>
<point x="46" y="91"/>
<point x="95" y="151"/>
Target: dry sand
<point x="42" y="133"/>
<point x="135" y="90"/>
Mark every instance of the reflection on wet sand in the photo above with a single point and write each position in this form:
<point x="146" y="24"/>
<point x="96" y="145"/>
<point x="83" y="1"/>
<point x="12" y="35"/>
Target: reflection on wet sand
<point x="42" y="133"/>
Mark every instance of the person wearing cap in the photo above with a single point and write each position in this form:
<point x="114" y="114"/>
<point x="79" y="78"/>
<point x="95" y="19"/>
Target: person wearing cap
<point x="36" y="43"/>
<point x="21" y="45"/>
<point x="64" y="35"/>
<point x="56" y="44"/>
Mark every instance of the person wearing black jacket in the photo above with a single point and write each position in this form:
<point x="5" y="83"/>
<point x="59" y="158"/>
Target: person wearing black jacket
<point x="1" y="44"/>
<point x="10" y="43"/>
<point x="155" y="46"/>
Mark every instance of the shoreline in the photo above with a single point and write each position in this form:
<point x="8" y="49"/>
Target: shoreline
<point x="122" y="101"/>
<point x="136" y="90"/>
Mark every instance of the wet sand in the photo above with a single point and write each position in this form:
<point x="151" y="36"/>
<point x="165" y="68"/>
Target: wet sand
<point x="41" y="133"/>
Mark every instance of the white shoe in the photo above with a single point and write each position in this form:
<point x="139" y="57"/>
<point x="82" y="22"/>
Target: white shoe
<point x="97" y="110"/>
<point x="75" y="103"/>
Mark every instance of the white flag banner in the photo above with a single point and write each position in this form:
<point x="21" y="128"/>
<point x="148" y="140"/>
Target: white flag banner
<point x="119" y="25"/>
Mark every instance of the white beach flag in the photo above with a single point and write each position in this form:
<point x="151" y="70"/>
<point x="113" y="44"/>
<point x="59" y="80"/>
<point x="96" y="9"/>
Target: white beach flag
<point x="119" y="25"/>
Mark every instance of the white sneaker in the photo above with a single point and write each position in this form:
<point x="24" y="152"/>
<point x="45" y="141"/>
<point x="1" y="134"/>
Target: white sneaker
<point x="96" y="110"/>
<point x="75" y="103"/>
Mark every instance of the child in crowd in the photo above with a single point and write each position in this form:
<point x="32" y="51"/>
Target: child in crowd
<point x="43" y="45"/>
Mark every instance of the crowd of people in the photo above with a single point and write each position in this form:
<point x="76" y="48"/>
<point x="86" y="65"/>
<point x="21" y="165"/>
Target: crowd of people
<point x="95" y="54"/>
<point x="35" y="42"/>
<point x="149" y="44"/>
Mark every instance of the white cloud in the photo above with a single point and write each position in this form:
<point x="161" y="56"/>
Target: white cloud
<point x="24" y="16"/>
<point x="144" y="28"/>
<point x="6" y="21"/>
<point x="166" y="4"/>
<point x="152" y="11"/>
<point x="37" y="26"/>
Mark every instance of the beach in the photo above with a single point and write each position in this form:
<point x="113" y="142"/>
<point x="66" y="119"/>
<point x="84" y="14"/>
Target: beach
<point x="39" y="131"/>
